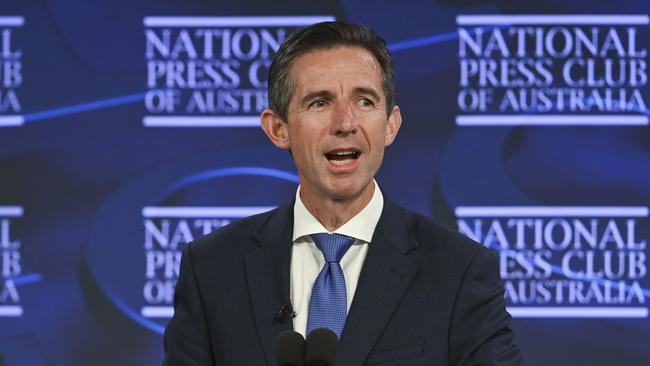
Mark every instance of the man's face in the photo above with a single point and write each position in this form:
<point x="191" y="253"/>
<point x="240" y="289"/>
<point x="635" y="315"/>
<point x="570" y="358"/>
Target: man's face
<point x="336" y="125"/>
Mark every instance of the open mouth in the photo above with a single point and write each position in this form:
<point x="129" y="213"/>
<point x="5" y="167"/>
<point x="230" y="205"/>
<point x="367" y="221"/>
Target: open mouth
<point x="342" y="157"/>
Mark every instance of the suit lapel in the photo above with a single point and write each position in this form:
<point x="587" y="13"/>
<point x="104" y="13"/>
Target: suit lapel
<point x="385" y="276"/>
<point x="267" y="270"/>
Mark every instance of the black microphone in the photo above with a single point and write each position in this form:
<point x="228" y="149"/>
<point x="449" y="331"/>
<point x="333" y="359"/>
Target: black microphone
<point x="322" y="344"/>
<point x="290" y="349"/>
<point x="284" y="312"/>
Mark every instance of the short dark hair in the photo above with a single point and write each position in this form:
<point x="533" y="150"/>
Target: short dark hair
<point x="323" y="36"/>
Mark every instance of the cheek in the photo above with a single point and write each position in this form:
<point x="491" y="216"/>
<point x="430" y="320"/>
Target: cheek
<point x="380" y="137"/>
<point x="379" y="145"/>
<point x="303" y="150"/>
<point x="307" y="140"/>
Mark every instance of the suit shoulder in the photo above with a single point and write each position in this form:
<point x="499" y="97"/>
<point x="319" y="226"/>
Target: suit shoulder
<point x="236" y="236"/>
<point x="429" y="233"/>
<point x="442" y="250"/>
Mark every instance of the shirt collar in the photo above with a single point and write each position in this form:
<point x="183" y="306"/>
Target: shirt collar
<point x="361" y="226"/>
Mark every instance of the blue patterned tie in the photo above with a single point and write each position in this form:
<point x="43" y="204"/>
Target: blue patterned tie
<point x="328" y="307"/>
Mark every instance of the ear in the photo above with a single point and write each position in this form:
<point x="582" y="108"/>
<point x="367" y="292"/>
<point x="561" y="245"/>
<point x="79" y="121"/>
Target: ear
<point x="393" y="124"/>
<point x="275" y="128"/>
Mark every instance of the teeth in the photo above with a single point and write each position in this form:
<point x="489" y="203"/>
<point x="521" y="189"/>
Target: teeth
<point x="342" y="157"/>
<point x="340" y="162"/>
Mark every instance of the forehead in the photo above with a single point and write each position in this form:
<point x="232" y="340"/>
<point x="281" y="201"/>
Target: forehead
<point x="339" y="64"/>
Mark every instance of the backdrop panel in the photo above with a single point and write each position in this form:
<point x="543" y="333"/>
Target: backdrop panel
<point x="127" y="129"/>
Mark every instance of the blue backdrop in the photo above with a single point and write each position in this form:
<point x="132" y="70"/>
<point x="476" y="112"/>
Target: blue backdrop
<point x="129" y="128"/>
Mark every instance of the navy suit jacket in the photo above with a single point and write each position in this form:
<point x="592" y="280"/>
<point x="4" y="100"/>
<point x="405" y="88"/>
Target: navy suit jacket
<point x="426" y="296"/>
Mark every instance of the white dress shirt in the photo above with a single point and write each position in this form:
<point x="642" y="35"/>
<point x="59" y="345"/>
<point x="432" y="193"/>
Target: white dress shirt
<point x="307" y="260"/>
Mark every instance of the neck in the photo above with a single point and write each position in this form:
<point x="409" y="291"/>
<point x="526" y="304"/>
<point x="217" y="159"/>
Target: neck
<point x="333" y="213"/>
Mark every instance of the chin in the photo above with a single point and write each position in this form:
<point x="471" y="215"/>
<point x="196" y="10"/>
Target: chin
<point x="346" y="190"/>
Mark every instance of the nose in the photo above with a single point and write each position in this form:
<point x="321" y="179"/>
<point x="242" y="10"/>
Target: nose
<point x="345" y="122"/>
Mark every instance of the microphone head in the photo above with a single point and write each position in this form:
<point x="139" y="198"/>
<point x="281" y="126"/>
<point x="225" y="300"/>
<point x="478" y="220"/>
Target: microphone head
<point x="290" y="349"/>
<point x="322" y="344"/>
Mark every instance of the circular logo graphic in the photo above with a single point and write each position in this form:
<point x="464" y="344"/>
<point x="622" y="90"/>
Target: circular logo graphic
<point x="134" y="252"/>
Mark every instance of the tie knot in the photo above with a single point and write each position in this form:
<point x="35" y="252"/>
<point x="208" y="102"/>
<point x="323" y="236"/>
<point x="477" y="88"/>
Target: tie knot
<point x="333" y="246"/>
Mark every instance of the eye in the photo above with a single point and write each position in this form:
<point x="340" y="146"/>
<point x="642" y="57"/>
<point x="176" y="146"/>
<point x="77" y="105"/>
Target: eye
<point x="365" y="102"/>
<point x="319" y="103"/>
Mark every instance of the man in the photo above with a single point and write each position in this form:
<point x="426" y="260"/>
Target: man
<point x="414" y="293"/>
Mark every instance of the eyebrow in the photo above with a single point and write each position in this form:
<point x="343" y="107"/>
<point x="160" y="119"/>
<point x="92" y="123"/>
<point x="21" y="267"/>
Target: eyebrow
<point x="368" y="91"/>
<point x="328" y="95"/>
<point x="316" y="94"/>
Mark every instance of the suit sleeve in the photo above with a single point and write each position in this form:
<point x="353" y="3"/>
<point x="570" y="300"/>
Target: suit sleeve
<point x="480" y="333"/>
<point x="186" y="338"/>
